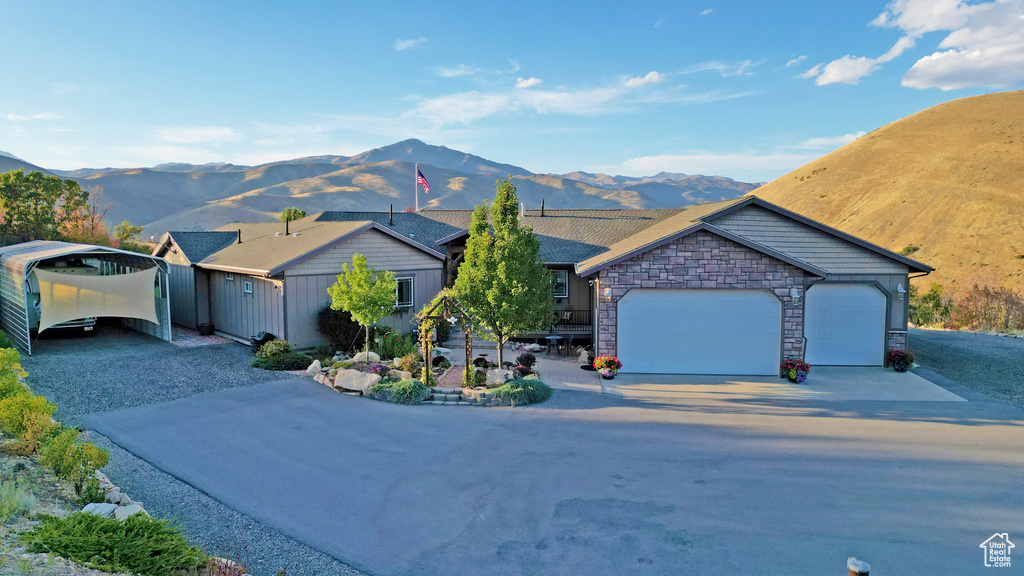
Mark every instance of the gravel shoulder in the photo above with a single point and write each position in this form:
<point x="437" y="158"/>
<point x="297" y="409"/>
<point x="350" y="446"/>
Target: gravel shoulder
<point x="120" y="368"/>
<point x="991" y="365"/>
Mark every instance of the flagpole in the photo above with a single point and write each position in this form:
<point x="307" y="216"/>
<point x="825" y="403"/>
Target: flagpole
<point x="416" y="182"/>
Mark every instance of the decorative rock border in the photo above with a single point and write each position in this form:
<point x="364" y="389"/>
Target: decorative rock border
<point x="117" y="505"/>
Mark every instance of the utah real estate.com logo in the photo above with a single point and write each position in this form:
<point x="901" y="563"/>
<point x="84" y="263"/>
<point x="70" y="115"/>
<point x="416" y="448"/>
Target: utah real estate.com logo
<point x="997" y="550"/>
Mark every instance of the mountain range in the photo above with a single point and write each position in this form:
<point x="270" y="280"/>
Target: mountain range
<point x="179" y="196"/>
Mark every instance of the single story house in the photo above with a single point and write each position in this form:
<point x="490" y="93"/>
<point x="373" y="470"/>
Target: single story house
<point x="729" y="287"/>
<point x="248" y="278"/>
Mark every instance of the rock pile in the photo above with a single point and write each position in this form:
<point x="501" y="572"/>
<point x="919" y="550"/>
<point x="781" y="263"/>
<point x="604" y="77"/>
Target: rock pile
<point x="117" y="505"/>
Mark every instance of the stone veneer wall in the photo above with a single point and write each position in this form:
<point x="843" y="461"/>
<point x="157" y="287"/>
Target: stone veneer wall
<point x="704" y="261"/>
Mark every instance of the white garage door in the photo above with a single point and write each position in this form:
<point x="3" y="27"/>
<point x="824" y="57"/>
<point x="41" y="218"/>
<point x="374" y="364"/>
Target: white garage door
<point x="845" y="325"/>
<point x="700" y="332"/>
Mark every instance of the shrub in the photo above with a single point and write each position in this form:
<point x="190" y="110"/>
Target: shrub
<point x="37" y="426"/>
<point x="341" y="364"/>
<point x="526" y="359"/>
<point x="72" y="458"/>
<point x="15" y="500"/>
<point x="379" y="369"/>
<point x="286" y="361"/>
<point x="139" y="544"/>
<point x="410" y="363"/>
<point x="16" y="412"/>
<point x="273" y="348"/>
<point x="5" y="340"/>
<point x="10" y="371"/>
<point x="91" y="492"/>
<point x="394" y="345"/>
<point x="931" y="307"/>
<point x="404" y="392"/>
<point x="521" y="391"/>
<point x="324" y="351"/>
<point x="441" y="362"/>
<point x="341" y="331"/>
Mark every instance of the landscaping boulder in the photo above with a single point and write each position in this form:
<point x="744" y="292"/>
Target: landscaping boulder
<point x="314" y="368"/>
<point x="355" y="380"/>
<point x="366" y="358"/>
<point x="104" y="510"/>
<point x="122" y="512"/>
<point x="400" y="374"/>
<point x="445" y="352"/>
<point x="533" y="348"/>
<point x="498" y="376"/>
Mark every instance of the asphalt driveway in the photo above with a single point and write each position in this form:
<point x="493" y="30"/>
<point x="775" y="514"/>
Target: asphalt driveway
<point x="590" y="484"/>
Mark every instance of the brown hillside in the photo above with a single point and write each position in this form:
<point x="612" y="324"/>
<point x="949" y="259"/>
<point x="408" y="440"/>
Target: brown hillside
<point x="949" y="179"/>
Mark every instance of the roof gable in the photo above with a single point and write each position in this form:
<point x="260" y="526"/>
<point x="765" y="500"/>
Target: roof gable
<point x="824" y="246"/>
<point x="196" y="246"/>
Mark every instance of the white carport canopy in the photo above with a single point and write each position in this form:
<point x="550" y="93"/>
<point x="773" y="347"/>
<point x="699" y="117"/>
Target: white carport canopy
<point x="130" y="285"/>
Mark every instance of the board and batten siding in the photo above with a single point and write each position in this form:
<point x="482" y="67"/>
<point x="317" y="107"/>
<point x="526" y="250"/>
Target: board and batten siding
<point x="306" y="295"/>
<point x="835" y="255"/>
<point x="182" y="282"/>
<point x="239" y="315"/>
<point x="382" y="253"/>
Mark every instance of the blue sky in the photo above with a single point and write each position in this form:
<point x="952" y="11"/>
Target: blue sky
<point x="749" y="90"/>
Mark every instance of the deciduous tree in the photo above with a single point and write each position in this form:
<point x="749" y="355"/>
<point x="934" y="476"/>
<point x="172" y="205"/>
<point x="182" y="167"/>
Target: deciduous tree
<point x="368" y="295"/>
<point x="503" y="280"/>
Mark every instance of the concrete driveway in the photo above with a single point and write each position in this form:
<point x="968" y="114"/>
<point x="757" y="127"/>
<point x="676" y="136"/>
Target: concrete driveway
<point x="825" y="384"/>
<point x="594" y="484"/>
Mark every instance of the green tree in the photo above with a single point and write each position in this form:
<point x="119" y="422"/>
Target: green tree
<point x="292" y="213"/>
<point x="38" y="207"/>
<point x="127" y="236"/>
<point x="503" y="280"/>
<point x="364" y="293"/>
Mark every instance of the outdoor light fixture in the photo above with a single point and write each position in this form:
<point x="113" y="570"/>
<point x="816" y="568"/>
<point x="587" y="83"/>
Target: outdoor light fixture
<point x="794" y="293"/>
<point x="607" y="292"/>
<point x="901" y="290"/>
<point x="453" y="320"/>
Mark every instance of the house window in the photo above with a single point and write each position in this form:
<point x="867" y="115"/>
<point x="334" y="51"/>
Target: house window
<point x="247" y="287"/>
<point x="229" y="276"/>
<point x="403" y="293"/>
<point x="560" y="285"/>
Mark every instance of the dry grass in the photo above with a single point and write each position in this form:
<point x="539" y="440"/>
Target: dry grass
<point x="947" y="179"/>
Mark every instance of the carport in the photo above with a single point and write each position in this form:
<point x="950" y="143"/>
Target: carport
<point x="49" y="284"/>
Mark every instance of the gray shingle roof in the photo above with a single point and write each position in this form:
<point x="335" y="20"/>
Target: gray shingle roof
<point x="567" y="236"/>
<point x="198" y="245"/>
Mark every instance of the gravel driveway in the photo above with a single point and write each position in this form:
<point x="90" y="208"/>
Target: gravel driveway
<point x="120" y="369"/>
<point x="992" y="365"/>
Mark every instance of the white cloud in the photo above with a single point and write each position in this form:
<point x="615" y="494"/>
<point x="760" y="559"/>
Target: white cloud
<point x="455" y="71"/>
<point x="706" y="11"/>
<point x="528" y="82"/>
<point x="658" y="23"/>
<point x="828" y="142"/>
<point x="198" y="134"/>
<point x="814" y="71"/>
<point x="984" y="47"/>
<point x="401" y="44"/>
<point x="796" y="61"/>
<point x="38" y="116"/>
<point x="726" y="69"/>
<point x="653" y="77"/>
<point x="702" y="162"/>
<point x="515" y="66"/>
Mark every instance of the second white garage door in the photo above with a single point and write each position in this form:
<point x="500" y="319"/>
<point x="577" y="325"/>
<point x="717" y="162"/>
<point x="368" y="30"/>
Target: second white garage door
<point x="845" y="325"/>
<point x="699" y="332"/>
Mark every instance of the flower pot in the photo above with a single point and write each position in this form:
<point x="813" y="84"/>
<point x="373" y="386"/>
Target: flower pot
<point x="901" y="366"/>
<point x="608" y="377"/>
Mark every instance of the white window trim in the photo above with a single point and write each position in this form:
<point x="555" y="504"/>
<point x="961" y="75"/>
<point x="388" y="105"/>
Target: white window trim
<point x="229" y="276"/>
<point x="566" y="295"/>
<point x="412" y="292"/>
<point x="247" y="287"/>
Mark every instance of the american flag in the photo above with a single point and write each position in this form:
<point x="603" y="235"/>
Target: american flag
<point x="421" y="180"/>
